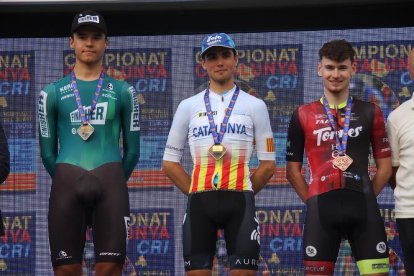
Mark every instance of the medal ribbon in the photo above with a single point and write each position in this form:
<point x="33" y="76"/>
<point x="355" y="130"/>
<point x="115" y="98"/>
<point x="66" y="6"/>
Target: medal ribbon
<point x="83" y="116"/>
<point x="218" y="137"/>
<point x="341" y="146"/>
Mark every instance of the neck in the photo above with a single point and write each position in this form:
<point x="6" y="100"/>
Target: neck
<point x="220" y="88"/>
<point x="336" y="98"/>
<point x="86" y="72"/>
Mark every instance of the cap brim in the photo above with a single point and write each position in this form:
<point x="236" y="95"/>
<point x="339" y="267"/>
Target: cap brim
<point x="223" y="46"/>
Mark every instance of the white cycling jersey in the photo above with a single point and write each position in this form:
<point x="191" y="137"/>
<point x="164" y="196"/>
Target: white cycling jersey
<point x="248" y="125"/>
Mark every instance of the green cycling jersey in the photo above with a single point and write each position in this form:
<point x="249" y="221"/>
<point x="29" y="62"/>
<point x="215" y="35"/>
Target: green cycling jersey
<point x="117" y="109"/>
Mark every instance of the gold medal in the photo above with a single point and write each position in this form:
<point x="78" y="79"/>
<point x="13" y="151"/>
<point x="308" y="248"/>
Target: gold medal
<point x="217" y="151"/>
<point x="342" y="162"/>
<point x="85" y="131"/>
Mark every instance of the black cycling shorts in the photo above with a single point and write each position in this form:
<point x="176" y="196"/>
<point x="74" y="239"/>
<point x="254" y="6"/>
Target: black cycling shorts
<point x="234" y="212"/>
<point x="343" y="214"/>
<point x="81" y="198"/>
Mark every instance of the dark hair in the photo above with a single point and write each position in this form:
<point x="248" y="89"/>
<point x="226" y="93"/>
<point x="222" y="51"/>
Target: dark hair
<point x="337" y="50"/>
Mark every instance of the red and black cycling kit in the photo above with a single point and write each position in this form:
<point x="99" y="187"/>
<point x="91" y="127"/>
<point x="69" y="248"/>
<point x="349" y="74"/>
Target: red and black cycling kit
<point x="340" y="204"/>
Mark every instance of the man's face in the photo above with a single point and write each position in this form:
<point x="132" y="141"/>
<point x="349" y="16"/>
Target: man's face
<point x="89" y="44"/>
<point x="220" y="64"/>
<point x="336" y="76"/>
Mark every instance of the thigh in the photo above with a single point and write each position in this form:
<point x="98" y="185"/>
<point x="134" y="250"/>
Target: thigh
<point x="110" y="215"/>
<point x="199" y="232"/>
<point x="406" y="235"/>
<point x="368" y="238"/>
<point x="66" y="217"/>
<point x="241" y="231"/>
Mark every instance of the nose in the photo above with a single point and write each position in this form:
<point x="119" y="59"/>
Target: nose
<point x="335" y="73"/>
<point x="89" y="41"/>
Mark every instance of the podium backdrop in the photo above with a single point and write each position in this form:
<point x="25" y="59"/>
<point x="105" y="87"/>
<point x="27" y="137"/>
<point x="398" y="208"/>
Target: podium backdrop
<point x="278" y="67"/>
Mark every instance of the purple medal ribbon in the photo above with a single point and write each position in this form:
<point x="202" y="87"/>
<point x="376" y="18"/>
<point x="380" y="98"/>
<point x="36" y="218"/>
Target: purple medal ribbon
<point x="341" y="146"/>
<point x="83" y="116"/>
<point x="218" y="137"/>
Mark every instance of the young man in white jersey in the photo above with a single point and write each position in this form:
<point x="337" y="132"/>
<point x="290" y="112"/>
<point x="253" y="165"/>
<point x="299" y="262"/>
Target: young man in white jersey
<point x="222" y="125"/>
<point x="400" y="130"/>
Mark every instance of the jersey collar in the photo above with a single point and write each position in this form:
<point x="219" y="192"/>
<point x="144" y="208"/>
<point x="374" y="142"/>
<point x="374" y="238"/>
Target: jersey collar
<point x="339" y="106"/>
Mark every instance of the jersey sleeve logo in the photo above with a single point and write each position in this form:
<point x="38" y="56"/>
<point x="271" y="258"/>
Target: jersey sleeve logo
<point x="135" y="110"/>
<point x="43" y="124"/>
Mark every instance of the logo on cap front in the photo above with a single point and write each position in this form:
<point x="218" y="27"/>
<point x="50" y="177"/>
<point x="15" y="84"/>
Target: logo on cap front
<point x="211" y="40"/>
<point x="89" y="18"/>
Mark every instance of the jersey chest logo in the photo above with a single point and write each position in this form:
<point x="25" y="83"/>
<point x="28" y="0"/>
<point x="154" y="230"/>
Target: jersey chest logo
<point x="97" y="117"/>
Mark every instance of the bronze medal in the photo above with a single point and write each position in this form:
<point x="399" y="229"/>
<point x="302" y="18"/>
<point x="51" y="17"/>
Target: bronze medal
<point x="342" y="162"/>
<point x="85" y="131"/>
<point x="217" y="151"/>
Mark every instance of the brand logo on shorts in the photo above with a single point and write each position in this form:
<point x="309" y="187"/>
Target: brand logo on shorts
<point x="63" y="255"/>
<point x="127" y="220"/>
<point x="311" y="251"/>
<point x="255" y="235"/>
<point x="381" y="247"/>
<point x="185" y="216"/>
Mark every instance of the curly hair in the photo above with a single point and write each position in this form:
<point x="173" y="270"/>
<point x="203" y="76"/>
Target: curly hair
<point x="337" y="50"/>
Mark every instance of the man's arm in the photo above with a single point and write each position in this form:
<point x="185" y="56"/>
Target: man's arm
<point x="130" y="130"/>
<point x="178" y="175"/>
<point x="48" y="139"/>
<point x="383" y="174"/>
<point x="297" y="180"/>
<point x="262" y="174"/>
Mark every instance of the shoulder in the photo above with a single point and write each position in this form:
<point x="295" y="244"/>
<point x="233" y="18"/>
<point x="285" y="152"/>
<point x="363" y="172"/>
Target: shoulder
<point x="402" y="111"/>
<point x="62" y="85"/>
<point x="195" y="99"/>
<point x="252" y="101"/>
<point x="308" y="107"/>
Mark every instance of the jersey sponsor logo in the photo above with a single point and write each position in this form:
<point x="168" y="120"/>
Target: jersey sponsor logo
<point x="108" y="96"/>
<point x="326" y="134"/>
<point x="231" y="128"/>
<point x="135" y="110"/>
<point x="174" y="148"/>
<point x="381" y="247"/>
<point x="67" y="96"/>
<point x="43" y="124"/>
<point x="97" y="117"/>
<point x="66" y="88"/>
<point x="204" y="114"/>
<point x="311" y="251"/>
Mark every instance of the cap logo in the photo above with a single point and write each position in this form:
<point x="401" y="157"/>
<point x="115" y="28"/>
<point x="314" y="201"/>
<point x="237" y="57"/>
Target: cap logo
<point x="88" y="18"/>
<point x="213" y="39"/>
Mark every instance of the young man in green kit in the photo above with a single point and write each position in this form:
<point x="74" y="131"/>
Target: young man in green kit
<point x="81" y="117"/>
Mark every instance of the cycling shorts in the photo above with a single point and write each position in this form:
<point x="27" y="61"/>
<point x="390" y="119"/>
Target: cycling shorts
<point x="234" y="212"/>
<point x="344" y="214"/>
<point x="81" y="198"/>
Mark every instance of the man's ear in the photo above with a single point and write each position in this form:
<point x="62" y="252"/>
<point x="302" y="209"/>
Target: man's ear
<point x="319" y="69"/>
<point x="71" y="42"/>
